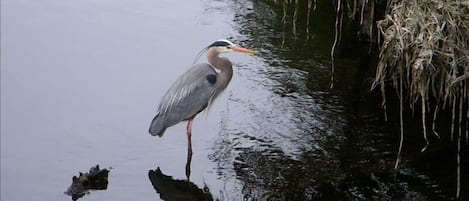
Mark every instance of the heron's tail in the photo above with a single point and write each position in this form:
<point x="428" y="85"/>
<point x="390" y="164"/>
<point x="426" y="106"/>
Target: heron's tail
<point x="157" y="126"/>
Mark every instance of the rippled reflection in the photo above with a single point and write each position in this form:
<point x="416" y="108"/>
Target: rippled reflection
<point x="293" y="138"/>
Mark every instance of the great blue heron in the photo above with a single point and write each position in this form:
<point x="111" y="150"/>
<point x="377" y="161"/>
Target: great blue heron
<point x="196" y="89"/>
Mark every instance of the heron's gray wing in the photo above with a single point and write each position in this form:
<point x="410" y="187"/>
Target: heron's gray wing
<point x="189" y="94"/>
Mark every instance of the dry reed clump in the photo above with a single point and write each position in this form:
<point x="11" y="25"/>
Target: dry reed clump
<point x="425" y="49"/>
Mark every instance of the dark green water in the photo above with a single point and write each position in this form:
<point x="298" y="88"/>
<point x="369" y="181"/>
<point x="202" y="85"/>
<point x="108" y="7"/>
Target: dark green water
<point x="80" y="81"/>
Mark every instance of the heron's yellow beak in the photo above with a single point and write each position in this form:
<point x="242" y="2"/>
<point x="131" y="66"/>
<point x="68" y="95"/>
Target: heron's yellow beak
<point x="242" y="49"/>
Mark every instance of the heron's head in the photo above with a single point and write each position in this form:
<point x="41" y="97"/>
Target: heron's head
<point x="224" y="45"/>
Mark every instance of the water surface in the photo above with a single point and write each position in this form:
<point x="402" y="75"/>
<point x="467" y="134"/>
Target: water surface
<point x="80" y="82"/>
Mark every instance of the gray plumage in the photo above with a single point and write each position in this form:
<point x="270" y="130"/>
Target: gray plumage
<point x="189" y="95"/>
<point x="196" y="89"/>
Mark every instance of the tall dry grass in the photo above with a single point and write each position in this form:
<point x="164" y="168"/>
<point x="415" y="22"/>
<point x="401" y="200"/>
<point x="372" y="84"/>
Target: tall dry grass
<point x="425" y="55"/>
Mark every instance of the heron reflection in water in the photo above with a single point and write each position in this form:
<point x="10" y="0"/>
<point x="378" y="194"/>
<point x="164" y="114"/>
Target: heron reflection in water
<point x="171" y="189"/>
<point x="195" y="90"/>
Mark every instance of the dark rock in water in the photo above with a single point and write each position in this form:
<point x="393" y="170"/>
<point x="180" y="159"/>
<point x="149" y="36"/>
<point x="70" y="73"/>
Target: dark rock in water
<point x="177" y="190"/>
<point x="95" y="179"/>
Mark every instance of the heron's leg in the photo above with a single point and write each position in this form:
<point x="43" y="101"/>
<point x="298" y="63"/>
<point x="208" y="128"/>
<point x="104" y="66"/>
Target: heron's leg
<point x="188" y="163"/>
<point x="189" y="135"/>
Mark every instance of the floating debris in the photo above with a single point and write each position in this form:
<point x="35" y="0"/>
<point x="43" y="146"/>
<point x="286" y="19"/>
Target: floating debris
<point x="95" y="179"/>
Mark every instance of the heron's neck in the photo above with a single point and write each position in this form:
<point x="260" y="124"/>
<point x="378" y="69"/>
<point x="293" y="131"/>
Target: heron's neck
<point x="222" y="64"/>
